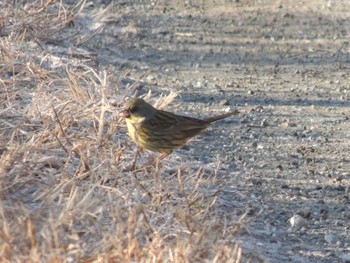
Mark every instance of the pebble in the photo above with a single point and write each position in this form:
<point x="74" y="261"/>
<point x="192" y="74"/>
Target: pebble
<point x="305" y="213"/>
<point x="224" y="103"/>
<point x="345" y="258"/>
<point x="297" y="222"/>
<point x="198" y="84"/>
<point x="264" y="123"/>
<point x="229" y="85"/>
<point x="331" y="238"/>
<point x="150" y="78"/>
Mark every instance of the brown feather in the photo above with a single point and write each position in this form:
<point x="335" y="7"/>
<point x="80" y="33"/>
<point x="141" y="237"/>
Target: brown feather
<point x="223" y="116"/>
<point x="162" y="131"/>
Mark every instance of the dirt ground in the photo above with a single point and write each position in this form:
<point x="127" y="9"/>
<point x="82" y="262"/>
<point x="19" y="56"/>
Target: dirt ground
<point x="275" y="182"/>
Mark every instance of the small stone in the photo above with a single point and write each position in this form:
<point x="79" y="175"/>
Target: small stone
<point x="305" y="213"/>
<point x="298" y="222"/>
<point x="224" y="103"/>
<point x="338" y="223"/>
<point x="288" y="124"/>
<point x="229" y="85"/>
<point x="331" y="238"/>
<point x="150" y="78"/>
<point x="345" y="258"/>
<point x="260" y="146"/>
<point x="264" y="123"/>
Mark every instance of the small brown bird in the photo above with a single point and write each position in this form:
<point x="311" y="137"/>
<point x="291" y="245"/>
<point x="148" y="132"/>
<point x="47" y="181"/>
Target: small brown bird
<point x="162" y="131"/>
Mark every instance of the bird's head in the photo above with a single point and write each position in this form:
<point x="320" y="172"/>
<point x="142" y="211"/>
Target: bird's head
<point x="137" y="110"/>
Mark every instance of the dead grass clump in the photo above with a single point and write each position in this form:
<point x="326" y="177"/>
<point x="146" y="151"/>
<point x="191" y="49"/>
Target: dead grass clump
<point x="36" y="20"/>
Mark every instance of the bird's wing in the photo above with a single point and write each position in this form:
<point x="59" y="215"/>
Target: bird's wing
<point x="167" y="121"/>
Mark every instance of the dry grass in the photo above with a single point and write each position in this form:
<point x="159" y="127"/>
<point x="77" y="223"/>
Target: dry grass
<point x="66" y="191"/>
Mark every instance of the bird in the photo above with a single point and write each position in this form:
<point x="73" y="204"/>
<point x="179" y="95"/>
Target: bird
<point x="162" y="131"/>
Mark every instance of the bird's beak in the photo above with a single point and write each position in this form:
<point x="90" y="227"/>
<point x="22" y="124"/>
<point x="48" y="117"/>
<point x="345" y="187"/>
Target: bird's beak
<point x="125" y="114"/>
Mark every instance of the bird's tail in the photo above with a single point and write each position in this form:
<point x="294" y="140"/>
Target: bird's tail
<point x="223" y="116"/>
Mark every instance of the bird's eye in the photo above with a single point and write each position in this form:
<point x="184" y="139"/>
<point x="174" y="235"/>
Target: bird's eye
<point x="133" y="109"/>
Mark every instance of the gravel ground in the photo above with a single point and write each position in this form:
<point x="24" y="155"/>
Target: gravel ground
<point x="286" y="64"/>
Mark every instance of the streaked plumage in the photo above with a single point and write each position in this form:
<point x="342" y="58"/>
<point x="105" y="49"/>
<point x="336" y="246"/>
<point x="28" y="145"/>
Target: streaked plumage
<point x="162" y="131"/>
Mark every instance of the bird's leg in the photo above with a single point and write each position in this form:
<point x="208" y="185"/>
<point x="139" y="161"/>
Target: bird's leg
<point x="137" y="153"/>
<point x="155" y="161"/>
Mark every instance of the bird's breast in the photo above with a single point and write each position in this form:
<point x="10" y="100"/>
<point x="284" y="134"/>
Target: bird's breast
<point x="132" y="130"/>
